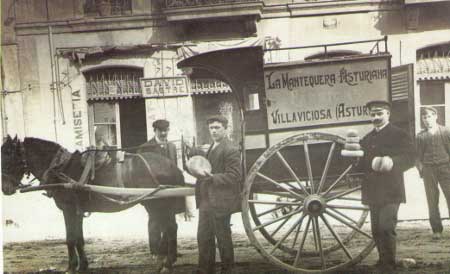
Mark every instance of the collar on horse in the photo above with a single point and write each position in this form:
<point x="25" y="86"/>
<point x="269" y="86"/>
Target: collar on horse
<point x="61" y="157"/>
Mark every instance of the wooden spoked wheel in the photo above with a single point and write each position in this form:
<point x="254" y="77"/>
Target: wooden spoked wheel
<point x="305" y="215"/>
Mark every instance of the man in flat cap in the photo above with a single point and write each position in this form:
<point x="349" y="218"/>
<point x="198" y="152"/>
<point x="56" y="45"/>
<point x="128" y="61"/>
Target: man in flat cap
<point x="218" y="197"/>
<point x="388" y="152"/>
<point x="162" y="226"/>
<point x="433" y="163"/>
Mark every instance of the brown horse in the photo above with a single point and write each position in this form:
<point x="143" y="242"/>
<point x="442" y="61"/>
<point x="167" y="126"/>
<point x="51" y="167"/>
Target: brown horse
<point x="47" y="160"/>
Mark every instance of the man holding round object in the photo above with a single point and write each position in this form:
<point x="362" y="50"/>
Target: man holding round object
<point x="433" y="150"/>
<point x="388" y="152"/>
<point x="218" y="197"/>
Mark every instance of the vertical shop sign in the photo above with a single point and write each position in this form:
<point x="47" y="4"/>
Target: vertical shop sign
<point x="77" y="118"/>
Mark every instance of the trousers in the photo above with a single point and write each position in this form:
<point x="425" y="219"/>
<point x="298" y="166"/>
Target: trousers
<point x="210" y="228"/>
<point x="383" y="223"/>
<point x="162" y="234"/>
<point x="434" y="175"/>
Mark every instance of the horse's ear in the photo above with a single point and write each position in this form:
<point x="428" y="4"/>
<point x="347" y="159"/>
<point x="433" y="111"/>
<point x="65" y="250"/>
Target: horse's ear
<point x="15" y="139"/>
<point x="7" y="139"/>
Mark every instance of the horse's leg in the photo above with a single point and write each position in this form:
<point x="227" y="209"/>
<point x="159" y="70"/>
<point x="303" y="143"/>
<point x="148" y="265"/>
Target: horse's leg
<point x="70" y="216"/>
<point x="80" y="243"/>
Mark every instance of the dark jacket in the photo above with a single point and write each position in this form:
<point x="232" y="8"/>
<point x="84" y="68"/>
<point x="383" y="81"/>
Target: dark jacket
<point x="382" y="188"/>
<point x="421" y="141"/>
<point x="224" y="188"/>
<point x="169" y="150"/>
<point x="177" y="205"/>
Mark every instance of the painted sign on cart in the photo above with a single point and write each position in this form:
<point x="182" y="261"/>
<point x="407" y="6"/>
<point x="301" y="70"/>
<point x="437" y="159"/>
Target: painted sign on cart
<point x="320" y="93"/>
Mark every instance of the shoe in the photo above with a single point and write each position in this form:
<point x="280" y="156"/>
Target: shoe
<point x="166" y="270"/>
<point x="437" y="236"/>
<point x="160" y="263"/>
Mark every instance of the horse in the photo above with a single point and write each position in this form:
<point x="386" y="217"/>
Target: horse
<point x="50" y="163"/>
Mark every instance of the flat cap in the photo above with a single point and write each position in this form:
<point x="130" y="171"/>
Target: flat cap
<point x="426" y="109"/>
<point x="161" y="124"/>
<point x="217" y="118"/>
<point x="377" y="105"/>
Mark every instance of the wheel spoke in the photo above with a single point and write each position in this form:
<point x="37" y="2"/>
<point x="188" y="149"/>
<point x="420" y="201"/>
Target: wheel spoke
<point x="272" y="202"/>
<point x="327" y="166"/>
<point x="270" y="210"/>
<point x="343" y="215"/>
<point x="291" y="171"/>
<point x="287" y="234"/>
<point x="281" y="225"/>
<point x="351" y="190"/>
<point x="308" y="165"/>
<point x="297" y="232"/>
<point x="338" y="179"/>
<point x="348" y="207"/>
<point x="336" y="236"/>
<point x="278" y="219"/>
<point x="280" y="185"/>
<point x="302" y="243"/>
<point x="314" y="234"/>
<point x="348" y="224"/>
<point x="319" y="241"/>
<point x="349" y="199"/>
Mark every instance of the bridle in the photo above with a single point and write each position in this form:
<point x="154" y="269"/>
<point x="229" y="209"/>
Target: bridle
<point x="20" y="152"/>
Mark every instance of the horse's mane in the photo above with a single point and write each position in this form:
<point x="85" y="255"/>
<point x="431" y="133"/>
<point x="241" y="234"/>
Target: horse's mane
<point x="44" y="147"/>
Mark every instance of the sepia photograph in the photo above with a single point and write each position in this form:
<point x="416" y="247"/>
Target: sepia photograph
<point x="225" y="136"/>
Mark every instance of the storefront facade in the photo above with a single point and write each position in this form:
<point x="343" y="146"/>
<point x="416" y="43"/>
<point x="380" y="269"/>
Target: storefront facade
<point x="93" y="82"/>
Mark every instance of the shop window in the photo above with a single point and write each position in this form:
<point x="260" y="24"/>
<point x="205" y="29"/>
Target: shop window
<point x="105" y="124"/>
<point x="432" y="93"/>
<point x="116" y="107"/>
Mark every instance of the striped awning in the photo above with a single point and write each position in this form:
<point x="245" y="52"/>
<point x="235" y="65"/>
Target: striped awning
<point x="209" y="86"/>
<point x="432" y="77"/>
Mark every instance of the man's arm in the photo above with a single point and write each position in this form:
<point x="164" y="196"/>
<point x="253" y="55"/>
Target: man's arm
<point x="420" y="151"/>
<point x="405" y="154"/>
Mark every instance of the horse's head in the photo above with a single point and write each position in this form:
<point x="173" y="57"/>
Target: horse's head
<point x="13" y="165"/>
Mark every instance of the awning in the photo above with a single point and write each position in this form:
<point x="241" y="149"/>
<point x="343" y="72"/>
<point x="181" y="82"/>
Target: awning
<point x="193" y="49"/>
<point x="82" y="53"/>
<point x="431" y="77"/>
<point x="209" y="86"/>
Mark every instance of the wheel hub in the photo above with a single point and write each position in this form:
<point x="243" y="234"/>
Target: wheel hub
<point x="314" y="205"/>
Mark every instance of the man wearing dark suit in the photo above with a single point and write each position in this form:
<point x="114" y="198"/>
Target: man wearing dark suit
<point x="388" y="152"/>
<point x="162" y="226"/>
<point x="218" y="197"/>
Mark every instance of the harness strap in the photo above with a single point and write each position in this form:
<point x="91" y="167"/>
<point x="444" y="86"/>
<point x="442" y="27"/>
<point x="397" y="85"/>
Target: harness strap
<point x="152" y="175"/>
<point x="87" y="168"/>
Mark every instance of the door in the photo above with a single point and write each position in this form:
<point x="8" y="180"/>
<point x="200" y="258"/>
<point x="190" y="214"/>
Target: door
<point x="132" y="122"/>
<point x="402" y="87"/>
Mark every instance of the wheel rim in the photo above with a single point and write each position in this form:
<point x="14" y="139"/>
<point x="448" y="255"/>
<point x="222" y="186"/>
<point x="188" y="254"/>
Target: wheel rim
<point x="316" y="205"/>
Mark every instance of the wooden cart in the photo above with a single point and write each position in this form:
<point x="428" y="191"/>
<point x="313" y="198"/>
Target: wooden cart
<point x="301" y="203"/>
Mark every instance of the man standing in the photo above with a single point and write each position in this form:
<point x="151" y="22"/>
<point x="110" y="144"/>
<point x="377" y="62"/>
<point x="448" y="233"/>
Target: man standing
<point x="433" y="149"/>
<point x="162" y="226"/>
<point x="388" y="152"/>
<point x="218" y="196"/>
